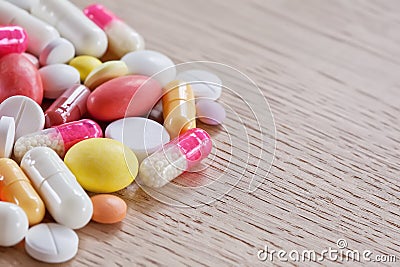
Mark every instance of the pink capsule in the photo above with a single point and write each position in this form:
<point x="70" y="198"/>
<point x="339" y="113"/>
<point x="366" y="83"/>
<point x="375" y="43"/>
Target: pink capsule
<point x="59" y="138"/>
<point x="174" y="158"/>
<point x="13" y="39"/>
<point x="70" y="106"/>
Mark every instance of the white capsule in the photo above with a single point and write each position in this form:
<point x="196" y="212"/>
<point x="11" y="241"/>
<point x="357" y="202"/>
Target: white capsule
<point x="44" y="39"/>
<point x="24" y="4"/>
<point x="65" y="199"/>
<point x="73" y="25"/>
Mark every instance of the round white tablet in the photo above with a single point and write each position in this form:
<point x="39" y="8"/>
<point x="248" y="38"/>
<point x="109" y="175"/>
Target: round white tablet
<point x="51" y="243"/>
<point x="59" y="50"/>
<point x="149" y="63"/>
<point x="142" y="135"/>
<point x="204" y="84"/>
<point x="14" y="224"/>
<point x="28" y="115"/>
<point x="57" y="78"/>
<point x="7" y="136"/>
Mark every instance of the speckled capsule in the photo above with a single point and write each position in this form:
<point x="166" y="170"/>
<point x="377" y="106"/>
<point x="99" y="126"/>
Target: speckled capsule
<point x="59" y="138"/>
<point x="174" y="158"/>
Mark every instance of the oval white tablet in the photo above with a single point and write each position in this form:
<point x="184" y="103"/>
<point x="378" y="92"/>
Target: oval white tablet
<point x="142" y="135"/>
<point x="64" y="197"/>
<point x="7" y="136"/>
<point x="51" y="243"/>
<point x="210" y="112"/>
<point x="60" y="50"/>
<point x="204" y="84"/>
<point x="57" y="78"/>
<point x="28" y="115"/>
<point x="149" y="63"/>
<point x="14" y="224"/>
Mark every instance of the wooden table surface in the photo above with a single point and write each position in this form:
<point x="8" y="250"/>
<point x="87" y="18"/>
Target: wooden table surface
<point x="330" y="71"/>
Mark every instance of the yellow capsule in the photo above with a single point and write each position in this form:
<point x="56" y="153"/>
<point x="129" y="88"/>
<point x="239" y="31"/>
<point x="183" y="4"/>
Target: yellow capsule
<point x="16" y="188"/>
<point x="85" y="64"/>
<point x="179" y="108"/>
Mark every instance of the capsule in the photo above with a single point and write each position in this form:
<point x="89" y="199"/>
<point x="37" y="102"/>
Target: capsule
<point x="70" y="106"/>
<point x="59" y="138"/>
<point x="16" y="188"/>
<point x="44" y="39"/>
<point x="70" y="21"/>
<point x="13" y="39"/>
<point x="179" y="108"/>
<point x="65" y="199"/>
<point x="24" y="4"/>
<point x="176" y="157"/>
<point x="122" y="39"/>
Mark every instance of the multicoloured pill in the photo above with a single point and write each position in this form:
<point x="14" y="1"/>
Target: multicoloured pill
<point x="59" y="138"/>
<point x="174" y="158"/>
<point x="179" y="108"/>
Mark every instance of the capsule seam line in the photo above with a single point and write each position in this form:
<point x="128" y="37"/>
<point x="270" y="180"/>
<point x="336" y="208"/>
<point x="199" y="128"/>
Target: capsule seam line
<point x="44" y="180"/>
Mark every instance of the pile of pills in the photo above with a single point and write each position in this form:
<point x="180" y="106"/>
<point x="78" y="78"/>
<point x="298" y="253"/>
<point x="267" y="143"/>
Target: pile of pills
<point x="94" y="70"/>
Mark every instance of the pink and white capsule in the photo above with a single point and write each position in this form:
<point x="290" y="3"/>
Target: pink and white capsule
<point x="59" y="138"/>
<point x="122" y="38"/>
<point x="174" y="158"/>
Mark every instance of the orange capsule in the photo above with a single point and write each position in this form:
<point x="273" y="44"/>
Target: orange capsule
<point x="108" y="208"/>
<point x="16" y="188"/>
<point x="179" y="108"/>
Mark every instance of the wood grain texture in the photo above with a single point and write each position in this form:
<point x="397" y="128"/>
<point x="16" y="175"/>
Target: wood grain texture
<point x="331" y="73"/>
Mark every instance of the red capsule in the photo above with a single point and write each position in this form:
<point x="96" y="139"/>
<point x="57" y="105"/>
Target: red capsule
<point x="70" y="106"/>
